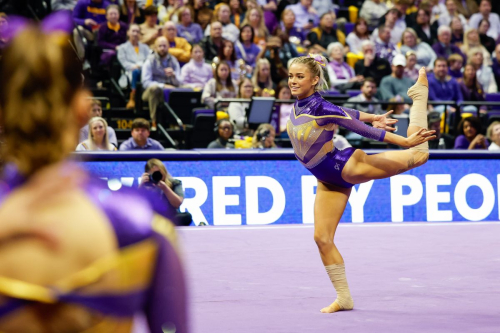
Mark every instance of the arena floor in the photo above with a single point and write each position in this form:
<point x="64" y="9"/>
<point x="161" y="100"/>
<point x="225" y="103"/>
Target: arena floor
<point x="404" y="277"/>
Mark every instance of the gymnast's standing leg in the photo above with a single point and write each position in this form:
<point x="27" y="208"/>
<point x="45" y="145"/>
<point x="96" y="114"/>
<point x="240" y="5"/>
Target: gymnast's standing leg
<point x="331" y="200"/>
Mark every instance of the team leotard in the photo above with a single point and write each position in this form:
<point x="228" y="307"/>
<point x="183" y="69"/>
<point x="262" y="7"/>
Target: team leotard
<point x="310" y="129"/>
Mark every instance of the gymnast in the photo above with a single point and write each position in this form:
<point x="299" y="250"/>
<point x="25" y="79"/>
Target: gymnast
<point x="74" y="256"/>
<point x="311" y="130"/>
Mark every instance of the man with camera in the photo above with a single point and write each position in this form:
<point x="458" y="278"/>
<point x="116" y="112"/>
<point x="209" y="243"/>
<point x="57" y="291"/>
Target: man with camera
<point x="156" y="178"/>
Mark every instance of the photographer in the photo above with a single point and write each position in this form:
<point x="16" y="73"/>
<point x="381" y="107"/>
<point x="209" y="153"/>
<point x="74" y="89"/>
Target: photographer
<point x="264" y="137"/>
<point x="157" y="178"/>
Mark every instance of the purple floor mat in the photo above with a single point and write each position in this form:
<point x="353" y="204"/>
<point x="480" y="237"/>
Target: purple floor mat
<point x="403" y="277"/>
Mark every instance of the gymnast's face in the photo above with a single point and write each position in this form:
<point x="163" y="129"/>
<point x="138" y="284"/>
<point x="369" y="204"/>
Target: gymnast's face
<point x="301" y="81"/>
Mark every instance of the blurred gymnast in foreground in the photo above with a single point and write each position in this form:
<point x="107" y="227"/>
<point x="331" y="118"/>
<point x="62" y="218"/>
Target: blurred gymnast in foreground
<point x="73" y="256"/>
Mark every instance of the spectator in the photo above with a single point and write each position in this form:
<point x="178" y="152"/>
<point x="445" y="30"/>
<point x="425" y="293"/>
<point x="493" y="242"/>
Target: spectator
<point x="130" y="12"/>
<point x="342" y="76"/>
<point x="170" y="12"/>
<point x="196" y="73"/>
<point x="132" y="56"/>
<point x="383" y="46"/>
<point x="282" y="112"/>
<point x="254" y="18"/>
<point x="306" y="17"/>
<point x="359" y="34"/>
<point x="425" y="54"/>
<point x="186" y="28"/>
<point x="170" y="189"/>
<point x="261" y="78"/>
<point x="228" y="54"/>
<point x="457" y="32"/>
<point x="438" y="10"/>
<point x="95" y="110"/>
<point x="466" y="7"/>
<point x="245" y="47"/>
<point x="210" y="44"/>
<point x="443" y="87"/>
<point x="396" y="84"/>
<point x="270" y="8"/>
<point x="224" y="131"/>
<point x="287" y="25"/>
<point x="484" y="73"/>
<point x="391" y="19"/>
<point x="368" y="92"/>
<point x="178" y="46"/>
<point x="111" y="35"/>
<point x="493" y="133"/>
<point x="159" y="72"/>
<point x="486" y="14"/>
<point x="278" y="52"/>
<point x="140" y="139"/>
<point x="149" y="29"/>
<point x="372" y="65"/>
<point x="372" y="11"/>
<point x="229" y="30"/>
<point x="443" y="47"/>
<point x="238" y="111"/>
<point x="471" y="89"/>
<point x="63" y="5"/>
<point x="97" y="136"/>
<point x="471" y="40"/>
<point x="237" y="13"/>
<point x="264" y="137"/>
<point x="88" y="15"/>
<point x="202" y="13"/>
<point x="470" y="135"/>
<point x="455" y="64"/>
<point x="221" y="86"/>
<point x="496" y="65"/>
<point x="488" y="42"/>
<point x="451" y="12"/>
<point x="442" y="140"/>
<point x="411" y="70"/>
<point x="404" y="20"/>
<point x="426" y="31"/>
<point x="325" y="34"/>
<point x="324" y="6"/>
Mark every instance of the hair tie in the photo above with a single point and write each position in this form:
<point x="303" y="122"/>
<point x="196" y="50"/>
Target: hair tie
<point x="318" y="58"/>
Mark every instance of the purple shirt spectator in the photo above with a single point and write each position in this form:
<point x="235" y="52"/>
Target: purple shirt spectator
<point x="192" y="33"/>
<point x="461" y="142"/>
<point x="89" y="9"/>
<point x="196" y="74"/>
<point x="249" y="54"/>
<point x="385" y="51"/>
<point x="302" y="16"/>
<point x="457" y="74"/>
<point x="447" y="90"/>
<point x="151" y="144"/>
<point x="445" y="51"/>
<point x="109" y="38"/>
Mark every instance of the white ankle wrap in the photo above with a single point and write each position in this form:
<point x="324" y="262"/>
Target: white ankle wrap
<point x="336" y="273"/>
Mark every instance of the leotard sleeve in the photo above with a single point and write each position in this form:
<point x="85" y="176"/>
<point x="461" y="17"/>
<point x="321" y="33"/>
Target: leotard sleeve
<point x="352" y="123"/>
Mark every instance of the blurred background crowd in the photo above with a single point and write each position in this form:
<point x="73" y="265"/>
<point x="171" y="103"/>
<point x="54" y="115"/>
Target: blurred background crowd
<point x="184" y="74"/>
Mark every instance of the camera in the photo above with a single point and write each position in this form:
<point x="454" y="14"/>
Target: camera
<point x="155" y="177"/>
<point x="263" y="134"/>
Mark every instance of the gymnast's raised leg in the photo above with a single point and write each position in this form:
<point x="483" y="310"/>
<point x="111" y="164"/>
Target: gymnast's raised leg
<point x="331" y="200"/>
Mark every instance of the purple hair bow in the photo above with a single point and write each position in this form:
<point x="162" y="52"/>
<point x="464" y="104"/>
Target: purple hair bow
<point x="60" y="21"/>
<point x="318" y="58"/>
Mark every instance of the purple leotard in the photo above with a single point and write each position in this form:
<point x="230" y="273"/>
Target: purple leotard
<point x="311" y="131"/>
<point x="146" y="275"/>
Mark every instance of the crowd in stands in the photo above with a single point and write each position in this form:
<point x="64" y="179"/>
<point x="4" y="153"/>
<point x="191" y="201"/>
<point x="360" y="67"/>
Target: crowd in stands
<point x="241" y="48"/>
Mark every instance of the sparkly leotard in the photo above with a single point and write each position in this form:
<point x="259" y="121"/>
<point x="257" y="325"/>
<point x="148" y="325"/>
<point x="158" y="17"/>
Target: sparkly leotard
<point x="310" y="129"/>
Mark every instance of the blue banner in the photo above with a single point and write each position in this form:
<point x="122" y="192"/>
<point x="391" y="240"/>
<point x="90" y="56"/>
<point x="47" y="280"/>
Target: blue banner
<point x="257" y="192"/>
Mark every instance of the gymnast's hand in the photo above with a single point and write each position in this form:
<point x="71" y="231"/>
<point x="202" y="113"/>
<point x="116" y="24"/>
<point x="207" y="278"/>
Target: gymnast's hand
<point x="421" y="136"/>
<point x="383" y="121"/>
